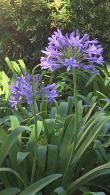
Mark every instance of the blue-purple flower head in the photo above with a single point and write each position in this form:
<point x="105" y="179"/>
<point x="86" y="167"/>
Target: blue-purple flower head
<point x="21" y="91"/>
<point x="70" y="51"/>
<point x="50" y="92"/>
<point x="26" y="88"/>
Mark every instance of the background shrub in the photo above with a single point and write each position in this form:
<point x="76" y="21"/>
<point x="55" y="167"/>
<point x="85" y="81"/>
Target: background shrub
<point x="90" y="16"/>
<point x="24" y="28"/>
<point x="26" y="24"/>
<point x="93" y="16"/>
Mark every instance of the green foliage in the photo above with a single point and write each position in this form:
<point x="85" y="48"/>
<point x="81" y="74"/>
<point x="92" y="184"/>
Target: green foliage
<point x="93" y="193"/>
<point x="91" y="16"/>
<point x="51" y="152"/>
<point x="38" y="186"/>
<point x="16" y="68"/>
<point x="26" y="24"/>
<point x="24" y="28"/>
<point x="4" y="85"/>
<point x="29" y="165"/>
<point x="60" y="15"/>
<point x="64" y="148"/>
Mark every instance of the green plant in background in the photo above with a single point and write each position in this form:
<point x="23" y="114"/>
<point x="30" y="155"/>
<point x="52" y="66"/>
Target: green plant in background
<point x="26" y="24"/>
<point x="106" y="73"/>
<point x="4" y="85"/>
<point x="88" y="16"/>
<point x="60" y="15"/>
<point x="15" y="69"/>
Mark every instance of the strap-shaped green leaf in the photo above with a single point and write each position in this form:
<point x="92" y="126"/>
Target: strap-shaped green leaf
<point x="87" y="177"/>
<point x="8" y="143"/>
<point x="39" y="185"/>
<point x="60" y="191"/>
<point x="10" y="191"/>
<point x="13" y="172"/>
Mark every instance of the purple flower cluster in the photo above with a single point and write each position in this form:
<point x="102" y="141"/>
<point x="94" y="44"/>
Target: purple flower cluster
<point x="71" y="50"/>
<point x="27" y="87"/>
<point x="50" y="92"/>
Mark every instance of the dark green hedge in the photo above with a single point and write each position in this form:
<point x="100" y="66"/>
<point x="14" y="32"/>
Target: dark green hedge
<point x="92" y="16"/>
<point x="26" y="24"/>
<point x="24" y="28"/>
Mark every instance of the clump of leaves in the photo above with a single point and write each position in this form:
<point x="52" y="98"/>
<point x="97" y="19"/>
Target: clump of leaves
<point x="60" y="154"/>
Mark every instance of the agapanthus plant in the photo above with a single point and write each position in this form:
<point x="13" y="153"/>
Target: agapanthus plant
<point x="28" y="87"/>
<point x="71" y="50"/>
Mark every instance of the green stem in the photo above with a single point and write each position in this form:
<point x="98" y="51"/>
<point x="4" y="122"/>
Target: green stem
<point x="34" y="164"/>
<point x="51" y="78"/>
<point x="76" y="110"/>
<point x="35" y="112"/>
<point x="69" y="167"/>
<point x="33" y="71"/>
<point x="44" y="108"/>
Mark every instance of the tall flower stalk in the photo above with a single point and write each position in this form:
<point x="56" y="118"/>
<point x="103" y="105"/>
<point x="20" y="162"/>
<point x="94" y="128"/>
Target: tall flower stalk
<point x="68" y="168"/>
<point x="35" y="112"/>
<point x="71" y="52"/>
<point x="76" y="111"/>
<point x="30" y="89"/>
